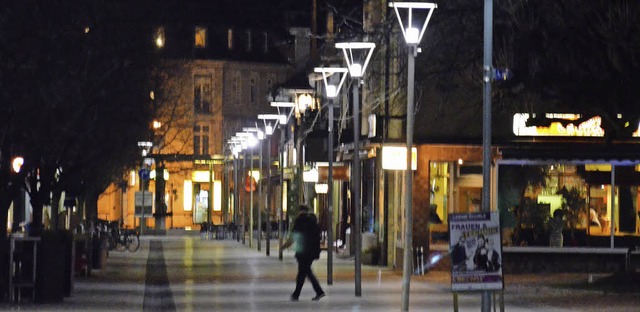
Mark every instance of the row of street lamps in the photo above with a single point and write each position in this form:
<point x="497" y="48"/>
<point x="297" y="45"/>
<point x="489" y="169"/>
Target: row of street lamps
<point x="357" y="56"/>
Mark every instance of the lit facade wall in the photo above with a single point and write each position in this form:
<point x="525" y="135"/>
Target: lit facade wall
<point x="233" y="101"/>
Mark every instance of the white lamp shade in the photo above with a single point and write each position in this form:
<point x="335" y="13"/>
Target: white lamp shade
<point x="252" y="141"/>
<point x="413" y="35"/>
<point x="355" y="70"/>
<point x="357" y="56"/>
<point x="268" y="129"/>
<point x="332" y="91"/>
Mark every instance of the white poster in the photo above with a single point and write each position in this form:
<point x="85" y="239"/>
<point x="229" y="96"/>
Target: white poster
<point x="476" y="251"/>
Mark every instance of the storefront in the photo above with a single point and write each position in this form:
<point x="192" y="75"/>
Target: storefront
<point x="597" y="194"/>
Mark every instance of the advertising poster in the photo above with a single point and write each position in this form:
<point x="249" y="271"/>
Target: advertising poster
<point x="476" y="251"/>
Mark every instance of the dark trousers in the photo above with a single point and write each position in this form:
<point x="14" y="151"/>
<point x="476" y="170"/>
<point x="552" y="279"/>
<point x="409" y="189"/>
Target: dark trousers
<point x="304" y="271"/>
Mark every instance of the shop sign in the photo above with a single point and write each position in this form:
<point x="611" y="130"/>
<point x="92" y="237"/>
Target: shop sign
<point x="476" y="251"/>
<point x="144" y="198"/>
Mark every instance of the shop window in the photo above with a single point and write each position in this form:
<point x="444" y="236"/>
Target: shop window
<point x="439" y="199"/>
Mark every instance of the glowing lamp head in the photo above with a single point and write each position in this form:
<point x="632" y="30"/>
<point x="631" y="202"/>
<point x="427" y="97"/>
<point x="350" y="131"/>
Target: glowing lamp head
<point x="268" y="129"/>
<point x="17" y="163"/>
<point x="252" y="141"/>
<point x="332" y="91"/>
<point x="412" y="35"/>
<point x="283" y="119"/>
<point x="355" y="70"/>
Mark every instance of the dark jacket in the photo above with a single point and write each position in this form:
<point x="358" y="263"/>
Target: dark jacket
<point x="306" y="236"/>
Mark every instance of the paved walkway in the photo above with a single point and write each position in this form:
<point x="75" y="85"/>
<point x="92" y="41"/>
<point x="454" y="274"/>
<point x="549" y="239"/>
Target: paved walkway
<point x="185" y="273"/>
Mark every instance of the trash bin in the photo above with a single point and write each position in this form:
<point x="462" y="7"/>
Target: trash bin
<point x="50" y="268"/>
<point x="100" y="249"/>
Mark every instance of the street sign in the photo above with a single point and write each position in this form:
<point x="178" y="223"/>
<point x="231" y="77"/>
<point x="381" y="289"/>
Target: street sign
<point x="144" y="174"/>
<point x="145" y="197"/>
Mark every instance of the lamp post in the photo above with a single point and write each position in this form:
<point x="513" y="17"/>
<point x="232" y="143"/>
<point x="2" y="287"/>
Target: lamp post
<point x="354" y="53"/>
<point x="236" y="142"/>
<point x="412" y="36"/>
<point x="251" y="143"/>
<point x="245" y="145"/>
<point x="268" y="131"/>
<point x="303" y="100"/>
<point x="260" y="137"/>
<point x="284" y="121"/>
<point x="331" y="91"/>
<point x="486" y="125"/>
<point x="144" y="146"/>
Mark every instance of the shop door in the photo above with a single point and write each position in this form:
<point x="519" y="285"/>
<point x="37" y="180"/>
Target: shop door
<point x="469" y="199"/>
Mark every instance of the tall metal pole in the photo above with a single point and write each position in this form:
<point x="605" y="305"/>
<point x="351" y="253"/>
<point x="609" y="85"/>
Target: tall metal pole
<point x="407" y="268"/>
<point x="355" y="180"/>
<point x="486" y="124"/>
<point x="244" y="195"/>
<point x="300" y="162"/>
<point x="268" y="197"/>
<point x="142" y="187"/>
<point x="260" y="201"/>
<point x="236" y="200"/>
<point x="612" y="224"/>
<point x="210" y="201"/>
<point x="330" y="198"/>
<point x="236" y="197"/>
<point x="251" y="199"/>
<point x="282" y="199"/>
<point x="123" y="193"/>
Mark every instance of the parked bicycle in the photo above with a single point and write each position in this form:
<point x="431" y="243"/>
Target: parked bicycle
<point x="122" y="240"/>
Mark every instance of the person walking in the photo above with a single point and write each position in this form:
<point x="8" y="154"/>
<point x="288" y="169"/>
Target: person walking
<point x="305" y="236"/>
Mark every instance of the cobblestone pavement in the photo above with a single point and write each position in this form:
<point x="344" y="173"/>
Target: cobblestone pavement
<point x="185" y="273"/>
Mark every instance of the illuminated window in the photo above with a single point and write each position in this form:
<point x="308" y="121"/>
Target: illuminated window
<point x="200" y="37"/>
<point x="230" y="39"/>
<point x="159" y="38"/>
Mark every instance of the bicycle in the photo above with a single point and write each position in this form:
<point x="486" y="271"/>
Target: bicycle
<point x="131" y="239"/>
<point x="121" y="240"/>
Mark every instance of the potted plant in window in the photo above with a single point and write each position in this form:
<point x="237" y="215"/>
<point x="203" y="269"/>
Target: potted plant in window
<point x="573" y="204"/>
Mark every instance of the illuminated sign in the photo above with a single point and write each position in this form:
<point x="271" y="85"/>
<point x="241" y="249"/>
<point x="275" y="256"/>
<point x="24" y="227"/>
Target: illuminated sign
<point x="395" y="158"/>
<point x="589" y="128"/>
<point x="200" y="176"/>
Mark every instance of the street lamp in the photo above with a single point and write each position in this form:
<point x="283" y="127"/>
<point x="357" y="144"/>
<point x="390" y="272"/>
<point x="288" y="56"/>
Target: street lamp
<point x="145" y="147"/>
<point x="16" y="164"/>
<point x="303" y="101"/>
<point x="354" y="53"/>
<point x="283" y="121"/>
<point x="412" y="36"/>
<point x="249" y="143"/>
<point x="331" y="91"/>
<point x="269" y="124"/>
<point x="253" y="141"/>
<point x="236" y="148"/>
